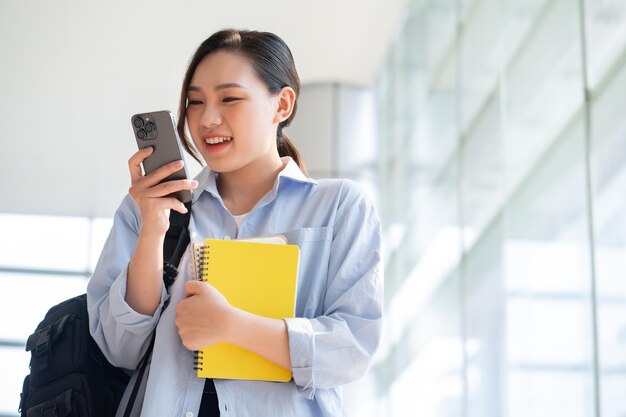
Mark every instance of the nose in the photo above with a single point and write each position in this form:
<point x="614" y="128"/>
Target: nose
<point x="211" y="117"/>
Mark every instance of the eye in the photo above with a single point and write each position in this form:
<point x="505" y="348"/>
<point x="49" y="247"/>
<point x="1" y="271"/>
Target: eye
<point x="230" y="99"/>
<point x="193" y="102"/>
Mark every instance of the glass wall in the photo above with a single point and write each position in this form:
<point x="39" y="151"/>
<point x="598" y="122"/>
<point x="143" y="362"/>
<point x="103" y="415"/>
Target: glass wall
<point x="43" y="261"/>
<point x="504" y="132"/>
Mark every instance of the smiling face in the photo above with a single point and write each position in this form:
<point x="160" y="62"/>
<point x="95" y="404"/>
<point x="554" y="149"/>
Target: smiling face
<point x="231" y="115"/>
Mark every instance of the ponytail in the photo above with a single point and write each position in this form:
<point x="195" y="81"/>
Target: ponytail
<point x="287" y="148"/>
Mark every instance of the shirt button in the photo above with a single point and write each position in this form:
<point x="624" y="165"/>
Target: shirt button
<point x="188" y="414"/>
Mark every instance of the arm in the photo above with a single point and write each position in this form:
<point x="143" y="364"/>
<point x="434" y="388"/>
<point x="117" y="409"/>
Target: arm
<point x="145" y="271"/>
<point x="337" y="347"/>
<point x="121" y="332"/>
<point x="198" y="328"/>
<point x="126" y="292"/>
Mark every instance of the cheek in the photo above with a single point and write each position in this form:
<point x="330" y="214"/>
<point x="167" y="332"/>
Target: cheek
<point x="192" y="119"/>
<point x="258" y="122"/>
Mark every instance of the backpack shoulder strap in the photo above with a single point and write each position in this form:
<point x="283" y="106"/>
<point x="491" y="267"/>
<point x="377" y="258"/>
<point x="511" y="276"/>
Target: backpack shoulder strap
<point x="176" y="241"/>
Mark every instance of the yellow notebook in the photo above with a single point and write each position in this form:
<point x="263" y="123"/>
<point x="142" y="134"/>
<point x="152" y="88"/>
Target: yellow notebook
<point x="260" y="278"/>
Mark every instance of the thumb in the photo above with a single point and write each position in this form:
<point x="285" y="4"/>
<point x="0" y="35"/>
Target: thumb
<point x="193" y="287"/>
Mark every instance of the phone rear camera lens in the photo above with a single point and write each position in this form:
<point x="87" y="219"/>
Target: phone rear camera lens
<point x="137" y="122"/>
<point x="149" y="127"/>
<point x="141" y="134"/>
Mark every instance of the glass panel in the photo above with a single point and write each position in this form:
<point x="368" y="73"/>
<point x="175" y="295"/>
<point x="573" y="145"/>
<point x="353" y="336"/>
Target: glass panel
<point x="484" y="310"/>
<point x="29" y="297"/>
<point x="44" y="242"/>
<point x="432" y="236"/>
<point x="422" y="352"/>
<point x="13" y="368"/>
<point x="606" y="38"/>
<point x="481" y="196"/>
<point x="429" y="358"/>
<point x="542" y="89"/>
<point x="479" y="59"/>
<point x="482" y="173"/>
<point x="609" y="199"/>
<point x="535" y="392"/>
<point x="547" y="286"/>
<point x="516" y="23"/>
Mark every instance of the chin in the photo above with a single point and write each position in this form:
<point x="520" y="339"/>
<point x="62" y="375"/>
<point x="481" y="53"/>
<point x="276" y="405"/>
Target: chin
<point x="220" y="166"/>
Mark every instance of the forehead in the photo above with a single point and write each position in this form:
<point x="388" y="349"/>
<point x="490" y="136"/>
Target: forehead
<point x="224" y="67"/>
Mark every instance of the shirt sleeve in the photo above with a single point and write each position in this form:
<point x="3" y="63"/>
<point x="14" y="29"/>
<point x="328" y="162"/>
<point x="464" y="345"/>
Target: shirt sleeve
<point x="121" y="333"/>
<point x="337" y="347"/>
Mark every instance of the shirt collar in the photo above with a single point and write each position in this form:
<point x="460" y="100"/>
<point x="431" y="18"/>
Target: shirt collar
<point x="207" y="179"/>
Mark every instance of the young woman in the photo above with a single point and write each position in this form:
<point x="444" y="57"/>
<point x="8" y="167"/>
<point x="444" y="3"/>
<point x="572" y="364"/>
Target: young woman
<point x="239" y="92"/>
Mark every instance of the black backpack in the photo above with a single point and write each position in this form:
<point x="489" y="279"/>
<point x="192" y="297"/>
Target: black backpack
<point x="69" y="375"/>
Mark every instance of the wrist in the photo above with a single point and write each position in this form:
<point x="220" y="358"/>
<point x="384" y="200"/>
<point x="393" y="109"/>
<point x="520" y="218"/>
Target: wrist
<point x="151" y="236"/>
<point x="234" y="320"/>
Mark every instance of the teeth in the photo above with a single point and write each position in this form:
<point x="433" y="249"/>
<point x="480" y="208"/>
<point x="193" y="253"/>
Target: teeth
<point x="213" y="141"/>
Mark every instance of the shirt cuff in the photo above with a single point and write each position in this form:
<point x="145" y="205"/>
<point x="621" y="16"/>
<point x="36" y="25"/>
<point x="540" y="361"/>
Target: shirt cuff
<point x="124" y="314"/>
<point x="302" y="353"/>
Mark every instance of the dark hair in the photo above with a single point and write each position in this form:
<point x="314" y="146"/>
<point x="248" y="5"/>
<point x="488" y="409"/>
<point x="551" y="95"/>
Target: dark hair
<point x="271" y="59"/>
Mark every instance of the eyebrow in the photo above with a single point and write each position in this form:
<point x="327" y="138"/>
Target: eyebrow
<point x="217" y="88"/>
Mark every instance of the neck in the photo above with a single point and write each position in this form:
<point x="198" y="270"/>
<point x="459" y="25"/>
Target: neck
<point x="242" y="189"/>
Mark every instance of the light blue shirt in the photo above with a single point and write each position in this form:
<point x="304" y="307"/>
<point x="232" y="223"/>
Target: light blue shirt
<point x="338" y="308"/>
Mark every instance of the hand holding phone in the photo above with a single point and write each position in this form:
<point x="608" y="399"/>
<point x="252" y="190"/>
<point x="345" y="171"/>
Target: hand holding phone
<point x="158" y="130"/>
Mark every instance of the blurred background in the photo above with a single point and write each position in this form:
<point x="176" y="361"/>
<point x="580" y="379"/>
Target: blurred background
<point x="490" y="133"/>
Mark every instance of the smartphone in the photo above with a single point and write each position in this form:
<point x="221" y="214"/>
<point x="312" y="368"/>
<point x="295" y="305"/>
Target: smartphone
<point x="158" y="129"/>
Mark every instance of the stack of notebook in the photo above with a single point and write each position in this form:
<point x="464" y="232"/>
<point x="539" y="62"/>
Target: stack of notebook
<point x="256" y="276"/>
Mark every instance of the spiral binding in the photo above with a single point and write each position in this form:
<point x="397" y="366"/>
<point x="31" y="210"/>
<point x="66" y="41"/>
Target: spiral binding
<point x="197" y="361"/>
<point x="197" y="260"/>
<point x="199" y="266"/>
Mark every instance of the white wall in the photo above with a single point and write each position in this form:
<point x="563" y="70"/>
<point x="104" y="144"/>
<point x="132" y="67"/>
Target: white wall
<point x="72" y="73"/>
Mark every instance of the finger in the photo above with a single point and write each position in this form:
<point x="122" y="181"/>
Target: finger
<point x="180" y="207"/>
<point x="162" y="204"/>
<point x="134" y="163"/>
<point x="165" y="204"/>
<point x="166" y="188"/>
<point x="140" y="192"/>
<point x="163" y="172"/>
<point x="193" y="288"/>
<point x="180" y="308"/>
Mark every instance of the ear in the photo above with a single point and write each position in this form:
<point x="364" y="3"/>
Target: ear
<point x="285" y="100"/>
